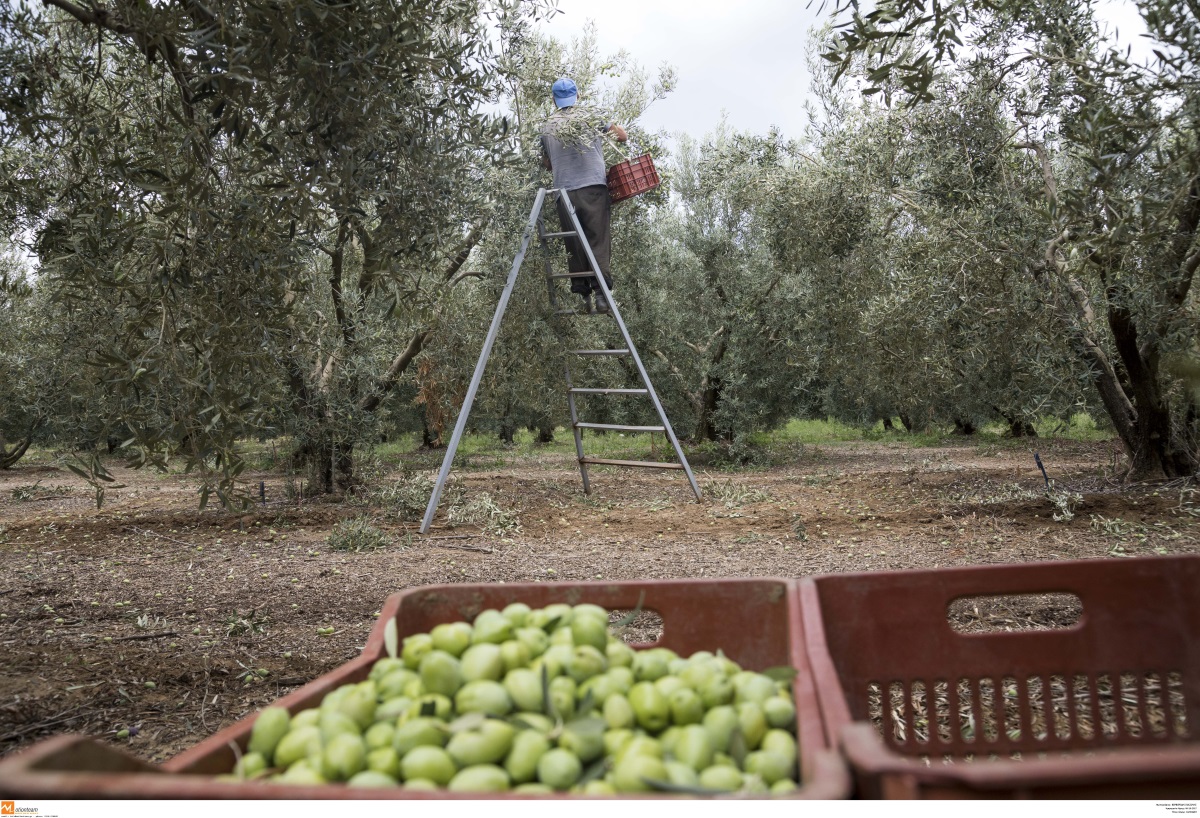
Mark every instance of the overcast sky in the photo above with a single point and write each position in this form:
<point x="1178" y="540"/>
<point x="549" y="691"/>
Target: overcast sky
<point x="746" y="58"/>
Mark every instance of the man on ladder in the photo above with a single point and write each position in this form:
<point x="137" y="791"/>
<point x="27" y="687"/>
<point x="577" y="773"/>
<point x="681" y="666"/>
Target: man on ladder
<point x="574" y="150"/>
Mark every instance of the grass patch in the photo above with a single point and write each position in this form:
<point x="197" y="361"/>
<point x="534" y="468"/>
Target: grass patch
<point x="358" y="534"/>
<point x="733" y="495"/>
<point x="484" y="512"/>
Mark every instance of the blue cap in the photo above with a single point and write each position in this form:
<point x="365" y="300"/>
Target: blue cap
<point x="565" y="92"/>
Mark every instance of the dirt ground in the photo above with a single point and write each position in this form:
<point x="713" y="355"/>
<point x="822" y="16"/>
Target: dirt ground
<point x="153" y="617"/>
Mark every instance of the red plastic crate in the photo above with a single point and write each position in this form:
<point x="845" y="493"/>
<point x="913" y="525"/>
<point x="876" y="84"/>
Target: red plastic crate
<point x="631" y="177"/>
<point x="755" y="621"/>
<point x="910" y="699"/>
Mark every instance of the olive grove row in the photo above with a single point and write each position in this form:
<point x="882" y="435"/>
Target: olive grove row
<point x="248" y="220"/>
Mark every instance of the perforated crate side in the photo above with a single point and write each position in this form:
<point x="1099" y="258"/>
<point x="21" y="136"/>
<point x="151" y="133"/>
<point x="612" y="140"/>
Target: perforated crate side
<point x="1125" y="676"/>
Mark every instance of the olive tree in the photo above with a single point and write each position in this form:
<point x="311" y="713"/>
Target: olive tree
<point x="913" y="230"/>
<point x="1114" y="144"/>
<point x="273" y="201"/>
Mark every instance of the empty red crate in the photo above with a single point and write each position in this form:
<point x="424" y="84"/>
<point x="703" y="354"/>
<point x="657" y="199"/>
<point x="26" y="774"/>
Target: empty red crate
<point x="755" y="621"/>
<point x="631" y="177"/>
<point x="1107" y="707"/>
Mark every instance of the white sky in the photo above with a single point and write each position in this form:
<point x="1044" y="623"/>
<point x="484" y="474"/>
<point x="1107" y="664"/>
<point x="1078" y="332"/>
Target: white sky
<point x="746" y="58"/>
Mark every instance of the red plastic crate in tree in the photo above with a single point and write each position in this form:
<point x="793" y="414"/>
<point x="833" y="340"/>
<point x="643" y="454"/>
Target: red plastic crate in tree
<point x="929" y="699"/>
<point x="631" y="177"/>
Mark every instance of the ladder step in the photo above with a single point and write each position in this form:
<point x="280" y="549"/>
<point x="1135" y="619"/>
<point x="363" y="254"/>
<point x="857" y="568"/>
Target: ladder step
<point x="568" y="233"/>
<point x="642" y="464"/>
<point x="599" y="352"/>
<point x="598" y="391"/>
<point x="617" y="427"/>
<point x="572" y="275"/>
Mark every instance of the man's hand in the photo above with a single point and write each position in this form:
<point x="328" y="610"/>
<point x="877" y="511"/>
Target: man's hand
<point x="618" y="133"/>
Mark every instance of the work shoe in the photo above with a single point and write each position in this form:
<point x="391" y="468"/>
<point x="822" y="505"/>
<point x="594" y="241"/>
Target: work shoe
<point x="602" y="303"/>
<point x="587" y="303"/>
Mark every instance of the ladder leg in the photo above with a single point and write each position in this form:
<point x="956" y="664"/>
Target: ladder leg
<point x="546" y="263"/>
<point x="587" y="487"/>
<point x="637" y="359"/>
<point x="484" y="354"/>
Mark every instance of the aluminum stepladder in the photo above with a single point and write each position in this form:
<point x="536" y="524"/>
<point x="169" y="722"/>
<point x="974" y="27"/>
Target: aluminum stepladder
<point x="536" y="226"/>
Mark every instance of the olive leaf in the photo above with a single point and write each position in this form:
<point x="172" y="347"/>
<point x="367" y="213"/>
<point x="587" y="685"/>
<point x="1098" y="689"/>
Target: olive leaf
<point x="467" y="721"/>
<point x="588" y="726"/>
<point x="547" y="703"/>
<point x="594" y="771"/>
<point x="631" y="616"/>
<point x="391" y="638"/>
<point x="580" y="125"/>
<point x="587" y="702"/>
<point x="737" y="746"/>
<point x="784" y="674"/>
<point x="660" y="785"/>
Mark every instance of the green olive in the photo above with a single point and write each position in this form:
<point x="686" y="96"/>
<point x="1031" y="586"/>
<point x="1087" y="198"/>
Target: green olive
<point x="384" y="760"/>
<point x="618" y="712"/>
<point x="379" y="735"/>
<point x="488" y="744"/>
<point x="524" y="687"/>
<point x="372" y="778"/>
<point x="344" y="756"/>
<point x="335" y="723"/>
<point x="770" y="765"/>
<point x="491" y="626"/>
<point x="306" y="718"/>
<point x="618" y="653"/>
<point x="396" y="683"/>
<point x="516" y="612"/>
<point x="584" y="738"/>
<point x="752" y="722"/>
<point x="586" y="662"/>
<point x="483" y="696"/>
<point x="686" y="706"/>
<point x="631" y="773"/>
<point x="384" y="666"/>
<point x="298" y="744"/>
<point x="419" y="732"/>
<point x="562" y="697"/>
<point x="753" y="687"/>
<point x="681" y="774"/>
<point x="414" y="649"/>
<point x="780" y="713"/>
<point x="720" y="777"/>
<point x="650" y="707"/>
<point x="393" y="708"/>
<point x="250" y="765"/>
<point x="589" y="629"/>
<point x="721" y="722"/>
<point x="780" y="741"/>
<point x="441" y="673"/>
<point x="694" y="747"/>
<point x="451" y="637"/>
<point x="480" y="778"/>
<point x="533" y="638"/>
<point x="559" y="768"/>
<point x="270" y="727"/>
<point x="482" y="662"/>
<point x="433" y="763"/>
<point x="514" y="654"/>
<point x="527" y="749"/>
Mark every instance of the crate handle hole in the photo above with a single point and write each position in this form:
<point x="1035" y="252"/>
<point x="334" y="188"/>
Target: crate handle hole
<point x="645" y="626"/>
<point x="1004" y="613"/>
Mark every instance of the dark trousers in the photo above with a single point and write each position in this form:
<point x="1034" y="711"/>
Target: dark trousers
<point x="593" y="207"/>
